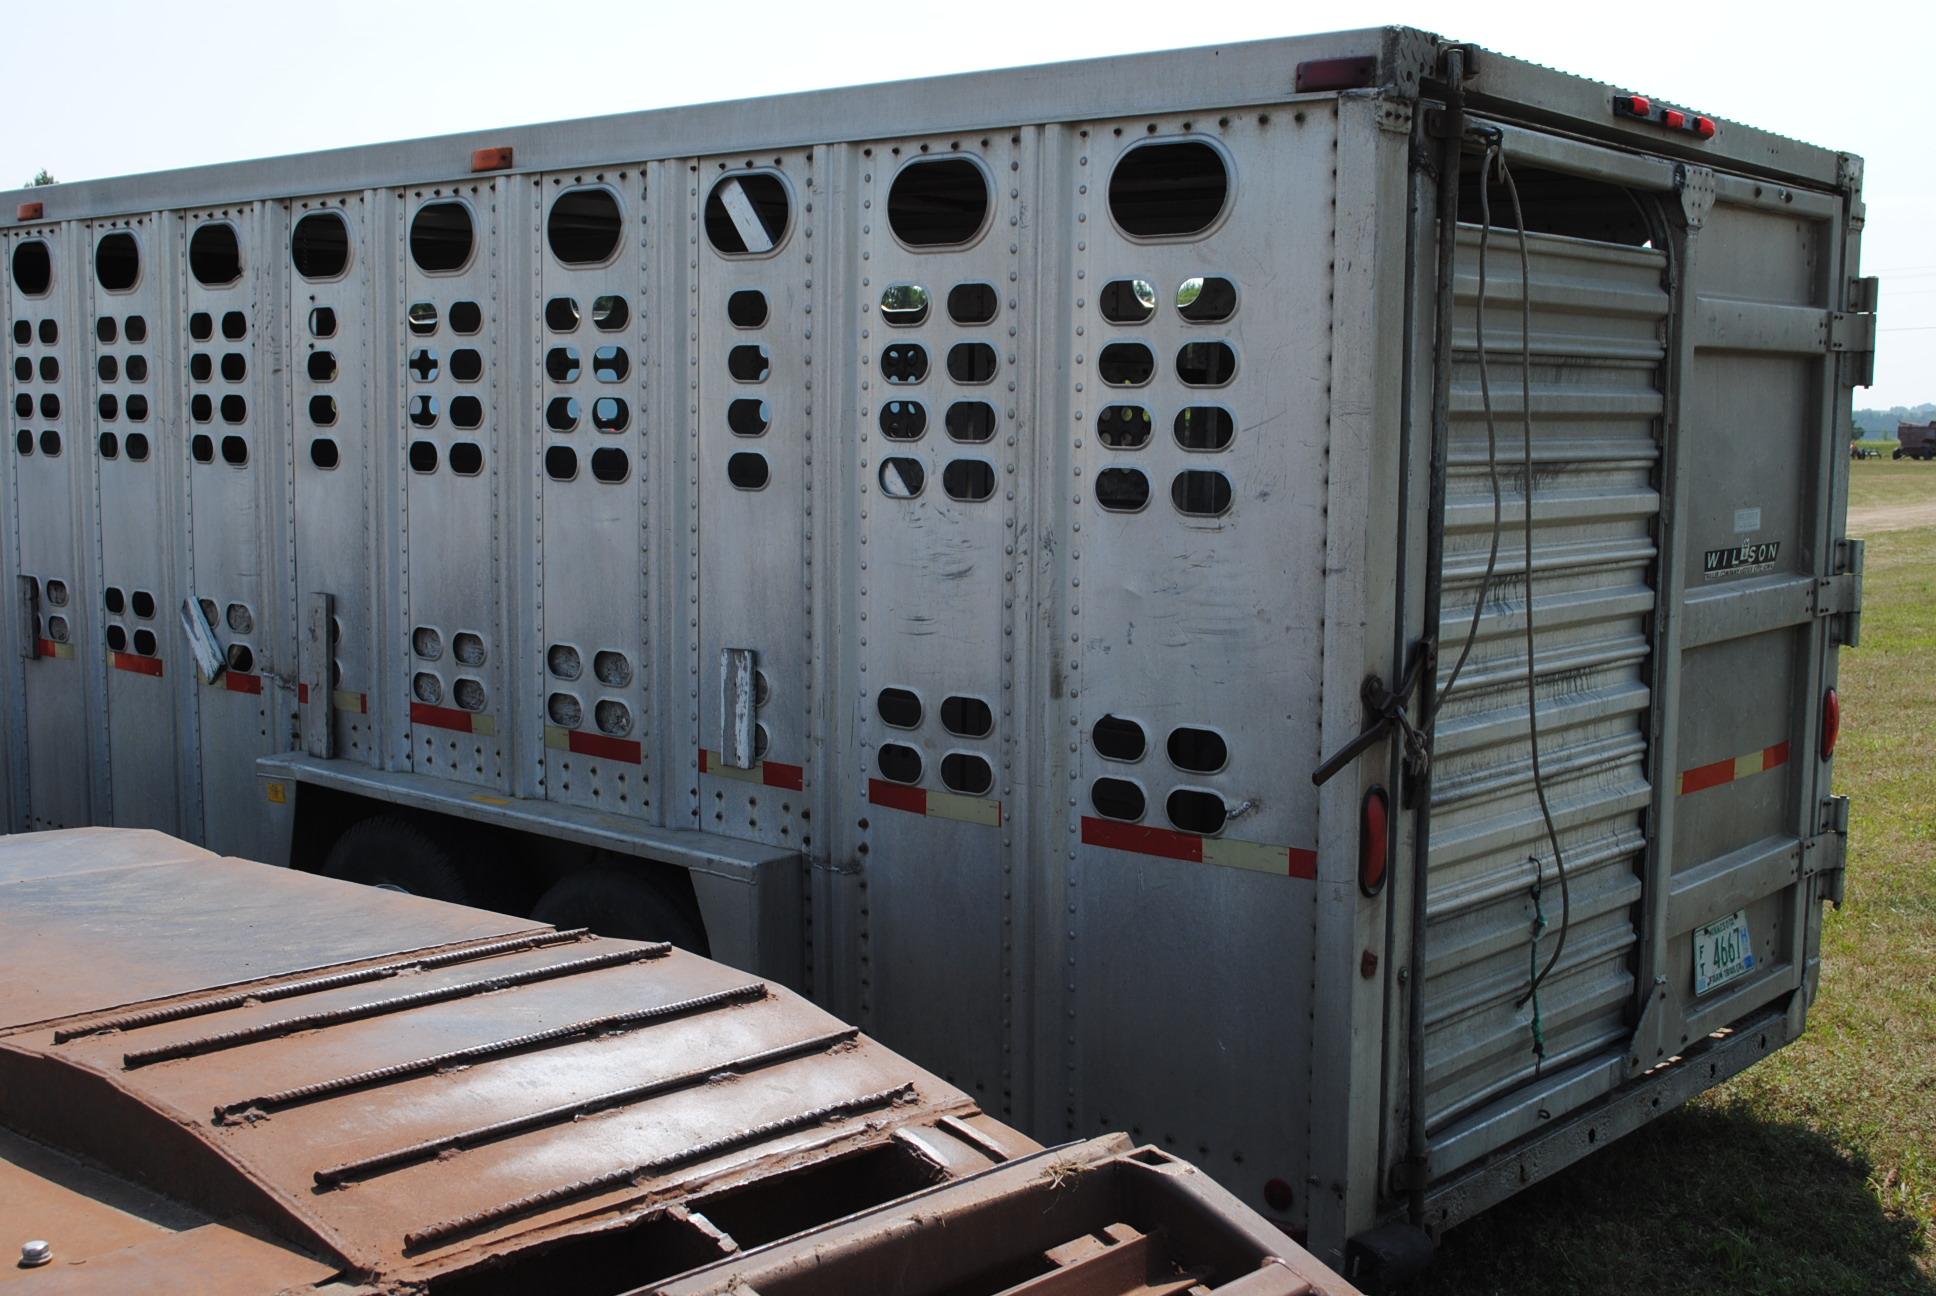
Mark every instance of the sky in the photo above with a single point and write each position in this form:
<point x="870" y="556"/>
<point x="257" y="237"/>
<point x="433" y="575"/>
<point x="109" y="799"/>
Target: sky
<point x="110" y="88"/>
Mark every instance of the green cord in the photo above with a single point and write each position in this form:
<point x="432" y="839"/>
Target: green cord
<point x="1532" y="959"/>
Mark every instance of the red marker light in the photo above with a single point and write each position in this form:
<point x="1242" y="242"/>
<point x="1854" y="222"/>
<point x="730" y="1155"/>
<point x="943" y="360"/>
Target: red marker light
<point x="1674" y="119"/>
<point x="1374" y="840"/>
<point x="491" y="159"/>
<point x="1640" y="105"/>
<point x="1704" y="127"/>
<point x="31" y="211"/>
<point x="1831" y="722"/>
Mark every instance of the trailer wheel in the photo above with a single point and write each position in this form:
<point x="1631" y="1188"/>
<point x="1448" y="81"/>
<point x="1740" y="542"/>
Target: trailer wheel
<point x="620" y="902"/>
<point x="398" y="855"/>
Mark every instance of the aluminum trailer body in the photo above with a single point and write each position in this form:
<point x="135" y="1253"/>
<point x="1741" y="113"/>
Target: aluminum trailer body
<point x="947" y="525"/>
<point x="224" y="1078"/>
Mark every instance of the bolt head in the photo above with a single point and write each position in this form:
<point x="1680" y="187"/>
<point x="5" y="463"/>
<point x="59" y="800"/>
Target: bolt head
<point x="35" y="1254"/>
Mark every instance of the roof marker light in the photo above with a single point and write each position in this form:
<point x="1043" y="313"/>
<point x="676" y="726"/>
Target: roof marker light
<point x="491" y="159"/>
<point x="31" y="211"/>
<point x="1674" y="119"/>
<point x="1704" y="127"/>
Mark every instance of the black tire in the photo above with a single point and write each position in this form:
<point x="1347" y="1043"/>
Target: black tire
<point x="623" y="903"/>
<point x="403" y="855"/>
<point x="1896" y="454"/>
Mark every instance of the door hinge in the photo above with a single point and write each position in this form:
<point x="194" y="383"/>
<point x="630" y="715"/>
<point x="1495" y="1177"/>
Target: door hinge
<point x="1827" y="853"/>
<point x="1852" y="335"/>
<point x="1839" y="597"/>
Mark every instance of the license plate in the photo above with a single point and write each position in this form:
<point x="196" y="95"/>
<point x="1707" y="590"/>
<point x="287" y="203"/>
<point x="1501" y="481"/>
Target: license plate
<point x="1722" y="952"/>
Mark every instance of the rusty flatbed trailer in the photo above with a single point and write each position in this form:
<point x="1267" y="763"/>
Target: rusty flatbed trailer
<point x="222" y="1077"/>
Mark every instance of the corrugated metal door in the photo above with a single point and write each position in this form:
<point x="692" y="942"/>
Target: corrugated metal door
<point x="1598" y="351"/>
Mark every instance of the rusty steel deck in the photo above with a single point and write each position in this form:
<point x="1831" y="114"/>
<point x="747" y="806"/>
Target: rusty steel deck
<point x="259" y="1080"/>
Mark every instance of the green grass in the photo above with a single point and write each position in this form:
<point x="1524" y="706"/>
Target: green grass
<point x="1814" y="1171"/>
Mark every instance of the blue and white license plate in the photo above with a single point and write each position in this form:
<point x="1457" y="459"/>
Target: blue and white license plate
<point x="1722" y="952"/>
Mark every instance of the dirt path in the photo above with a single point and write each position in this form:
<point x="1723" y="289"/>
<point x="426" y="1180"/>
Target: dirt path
<point x="1892" y="517"/>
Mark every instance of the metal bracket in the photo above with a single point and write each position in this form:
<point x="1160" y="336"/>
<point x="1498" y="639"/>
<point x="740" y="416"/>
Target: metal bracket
<point x="1827" y="854"/>
<point x="1840" y="596"/>
<point x="30" y="618"/>
<point x="1645" y="1049"/>
<point x="318" y="711"/>
<point x="736" y="726"/>
<point x="1696" y="185"/>
<point x="1852" y="336"/>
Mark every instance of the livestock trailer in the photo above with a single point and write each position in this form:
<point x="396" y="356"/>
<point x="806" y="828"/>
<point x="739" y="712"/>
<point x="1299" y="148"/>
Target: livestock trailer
<point x="1915" y="441"/>
<point x="1282" y="596"/>
<point x="380" y="1095"/>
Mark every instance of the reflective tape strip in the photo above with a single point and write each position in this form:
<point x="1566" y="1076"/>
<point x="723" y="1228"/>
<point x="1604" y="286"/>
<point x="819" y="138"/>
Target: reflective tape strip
<point x="935" y="805"/>
<point x="775" y="774"/>
<point x="1702" y="777"/>
<point x="1192" y="848"/>
<point x="236" y="682"/>
<point x="64" y="651"/>
<point x="135" y="664"/>
<point x="339" y="699"/>
<point x="438" y="717"/>
<point x="603" y="746"/>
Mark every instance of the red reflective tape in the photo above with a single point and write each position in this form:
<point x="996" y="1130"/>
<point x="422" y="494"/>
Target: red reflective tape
<point x="1350" y="73"/>
<point x="1773" y="756"/>
<point x="1164" y="842"/>
<point x="895" y="796"/>
<point x="1304" y="864"/>
<point x="438" y="717"/>
<point x="302" y="692"/>
<point x="1703" y="777"/>
<point x="239" y="683"/>
<point x="591" y="744"/>
<point x="779" y="775"/>
<point x="704" y="760"/>
<point x="47" y="648"/>
<point x="136" y="664"/>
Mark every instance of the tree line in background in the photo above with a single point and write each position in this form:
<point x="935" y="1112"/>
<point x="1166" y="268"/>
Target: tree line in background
<point x="1882" y="422"/>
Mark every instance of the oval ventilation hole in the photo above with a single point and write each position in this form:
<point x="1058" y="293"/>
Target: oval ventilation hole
<point x="235" y="367"/>
<point x="971" y="422"/>
<point x="466" y="365"/>
<point x="441" y="237"/>
<point x="561" y="463"/>
<point x="235" y="451"/>
<point x="33" y="267"/>
<point x="972" y="362"/>
<point x="610" y="414"/>
<point x="746" y="470"/>
<point x="108" y="407"/>
<point x="50" y="442"/>
<point x="1127" y="301"/>
<point x="1199" y="493"/>
<point x="323" y="453"/>
<point x="904" y="305"/>
<point x="466" y="411"/>
<point x="612" y="717"/>
<point x="748" y="363"/>
<point x="614" y="669"/>
<point x="421" y="315"/>
<point x="144" y="643"/>
<point x="1201" y="751"/>
<point x="1205" y="364"/>
<point x="49" y="369"/>
<point x="241" y="658"/>
<point x="967" y="774"/>
<point x="903" y="420"/>
<point x="57" y="593"/>
<point x="423" y="411"/>
<point x="109" y="444"/>
<point x="904" y="362"/>
<point x="564" y="709"/>
<point x="113" y="600"/>
<point x="322" y="322"/>
<point x="467" y="648"/>
<point x="201" y="448"/>
<point x="143" y="604"/>
<point x="1116" y="798"/>
<point x="1206" y="300"/>
<point x="610" y="313"/>
<point x="469" y="694"/>
<point x="971" y="304"/>
<point x="423" y="456"/>
<point x="214" y="257"/>
<point x="1193" y="810"/>
<point x="899" y="763"/>
<point x="57" y="629"/>
<point x="746" y="309"/>
<point x="240" y="620"/>
<point x="427" y="688"/>
<point x="1121" y="490"/>
<point x="322" y="366"/>
<point x="1119" y="739"/>
<point x="563" y="661"/>
<point x="561" y="413"/>
<point x="940" y="203"/>
<point x="320" y="246"/>
<point x="968" y="479"/>
<point x="562" y="364"/>
<point x="967" y="717"/>
<point x="117" y="639"/>
<point x="747" y="417"/>
<point x="1204" y="428"/>
<point x="117" y="261"/>
<point x="747" y="215"/>
<point x="322" y="411"/>
<point x="466" y="317"/>
<point x="1168" y="189"/>
<point x="201" y="367"/>
<point x="610" y="465"/>
<point x="137" y="409"/>
<point x="585" y="226"/>
<point x="611" y="364"/>
<point x="1123" y="427"/>
<point x="902" y="477"/>
<point x="1126" y="364"/>
<point x="561" y="315"/>
<point x="898" y="707"/>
